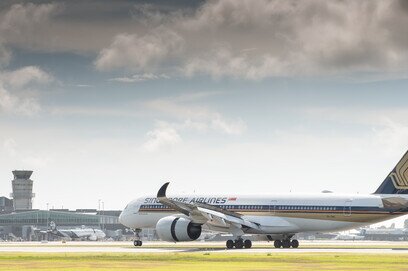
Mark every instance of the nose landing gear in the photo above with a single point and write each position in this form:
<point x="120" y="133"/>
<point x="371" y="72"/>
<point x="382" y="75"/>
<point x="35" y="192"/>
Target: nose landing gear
<point x="137" y="242"/>
<point x="239" y="243"/>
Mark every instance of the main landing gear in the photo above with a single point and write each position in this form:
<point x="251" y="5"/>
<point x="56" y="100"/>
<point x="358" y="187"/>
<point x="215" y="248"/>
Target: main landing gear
<point x="286" y="243"/>
<point x="239" y="243"/>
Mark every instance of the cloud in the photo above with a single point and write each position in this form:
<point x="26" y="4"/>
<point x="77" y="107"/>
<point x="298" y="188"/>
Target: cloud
<point x="15" y="98"/>
<point x="162" y="136"/>
<point x="24" y="76"/>
<point x="386" y="128"/>
<point x="139" y="78"/>
<point x="140" y="53"/>
<point x="196" y="117"/>
<point x="238" y="39"/>
<point x="228" y="127"/>
<point x="27" y="25"/>
<point x="5" y="56"/>
<point x="183" y="115"/>
<point x="256" y="40"/>
<point x="224" y="63"/>
<point x="12" y="104"/>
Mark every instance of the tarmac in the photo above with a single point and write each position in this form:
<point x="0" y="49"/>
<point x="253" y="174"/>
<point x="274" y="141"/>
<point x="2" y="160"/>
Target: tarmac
<point x="369" y="247"/>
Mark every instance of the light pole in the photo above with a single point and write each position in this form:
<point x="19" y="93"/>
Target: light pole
<point x="99" y="210"/>
<point x="103" y="209"/>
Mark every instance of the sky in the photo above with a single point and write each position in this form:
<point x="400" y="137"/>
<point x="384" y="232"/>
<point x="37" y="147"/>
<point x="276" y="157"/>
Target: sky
<point x="108" y="100"/>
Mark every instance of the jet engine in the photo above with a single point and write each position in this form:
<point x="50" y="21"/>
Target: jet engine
<point x="177" y="229"/>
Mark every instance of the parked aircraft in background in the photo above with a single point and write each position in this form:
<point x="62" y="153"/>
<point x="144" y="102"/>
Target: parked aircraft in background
<point x="276" y="218"/>
<point x="77" y="233"/>
<point x="350" y="236"/>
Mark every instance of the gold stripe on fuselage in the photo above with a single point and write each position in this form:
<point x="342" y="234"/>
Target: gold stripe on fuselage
<point x="340" y="215"/>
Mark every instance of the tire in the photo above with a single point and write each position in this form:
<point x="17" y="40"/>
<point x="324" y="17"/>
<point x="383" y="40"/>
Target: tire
<point x="295" y="243"/>
<point x="286" y="243"/>
<point x="277" y="243"/>
<point x="247" y="243"/>
<point x="137" y="243"/>
<point x="230" y="244"/>
<point x="239" y="244"/>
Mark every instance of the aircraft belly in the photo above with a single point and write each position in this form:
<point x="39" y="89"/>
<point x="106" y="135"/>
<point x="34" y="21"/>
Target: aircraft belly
<point x="363" y="217"/>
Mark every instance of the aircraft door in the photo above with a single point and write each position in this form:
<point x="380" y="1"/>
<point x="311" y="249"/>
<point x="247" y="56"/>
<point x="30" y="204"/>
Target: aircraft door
<point x="272" y="206"/>
<point x="347" y="207"/>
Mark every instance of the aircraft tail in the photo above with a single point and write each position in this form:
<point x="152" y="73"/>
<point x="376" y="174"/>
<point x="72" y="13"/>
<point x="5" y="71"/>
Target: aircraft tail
<point x="397" y="181"/>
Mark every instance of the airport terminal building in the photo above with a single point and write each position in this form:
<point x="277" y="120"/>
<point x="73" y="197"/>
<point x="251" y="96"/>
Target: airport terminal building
<point x="19" y="221"/>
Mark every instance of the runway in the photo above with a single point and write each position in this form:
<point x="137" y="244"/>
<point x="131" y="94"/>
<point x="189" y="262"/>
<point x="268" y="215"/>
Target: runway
<point x="310" y="247"/>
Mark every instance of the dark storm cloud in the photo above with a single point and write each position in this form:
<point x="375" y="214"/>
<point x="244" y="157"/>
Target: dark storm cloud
<point x="245" y="39"/>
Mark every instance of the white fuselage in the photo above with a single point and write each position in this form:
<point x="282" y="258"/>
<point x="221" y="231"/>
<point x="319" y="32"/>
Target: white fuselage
<point x="88" y="233"/>
<point x="278" y="214"/>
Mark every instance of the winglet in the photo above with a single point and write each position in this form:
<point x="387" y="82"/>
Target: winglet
<point x="162" y="190"/>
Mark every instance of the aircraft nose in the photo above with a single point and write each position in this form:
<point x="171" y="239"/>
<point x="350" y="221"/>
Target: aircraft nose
<point x="121" y="218"/>
<point x="125" y="219"/>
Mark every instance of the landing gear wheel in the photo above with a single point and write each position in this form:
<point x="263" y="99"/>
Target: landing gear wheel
<point x="239" y="244"/>
<point x="277" y="243"/>
<point x="137" y="243"/>
<point x="230" y="244"/>
<point x="295" y="243"/>
<point x="286" y="243"/>
<point x="247" y="244"/>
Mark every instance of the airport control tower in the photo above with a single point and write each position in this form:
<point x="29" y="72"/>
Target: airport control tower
<point x="22" y="190"/>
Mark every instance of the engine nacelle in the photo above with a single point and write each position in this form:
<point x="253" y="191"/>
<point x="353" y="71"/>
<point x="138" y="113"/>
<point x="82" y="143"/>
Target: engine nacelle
<point x="177" y="229"/>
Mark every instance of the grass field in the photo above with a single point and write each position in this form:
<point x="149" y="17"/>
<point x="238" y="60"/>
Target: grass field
<point x="204" y="261"/>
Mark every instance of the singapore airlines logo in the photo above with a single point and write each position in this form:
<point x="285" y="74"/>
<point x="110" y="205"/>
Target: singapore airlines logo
<point x="400" y="175"/>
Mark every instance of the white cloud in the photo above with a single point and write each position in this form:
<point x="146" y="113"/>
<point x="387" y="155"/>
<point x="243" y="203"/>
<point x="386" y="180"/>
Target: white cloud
<point x="140" y="78"/>
<point x="140" y="52"/>
<point x="228" y="127"/>
<point x="163" y="136"/>
<point x="196" y="117"/>
<point x="15" y="97"/>
<point x="12" y="104"/>
<point x="183" y="116"/>
<point x="24" y="76"/>
<point x="387" y="127"/>
<point x="223" y="63"/>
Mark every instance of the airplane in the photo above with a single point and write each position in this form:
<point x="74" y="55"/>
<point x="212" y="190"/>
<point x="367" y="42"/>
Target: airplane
<point x="77" y="233"/>
<point x="275" y="218"/>
<point x="350" y="236"/>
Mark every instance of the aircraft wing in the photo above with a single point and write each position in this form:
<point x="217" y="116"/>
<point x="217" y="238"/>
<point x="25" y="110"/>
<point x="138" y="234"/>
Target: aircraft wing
<point x="395" y="203"/>
<point x="203" y="213"/>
